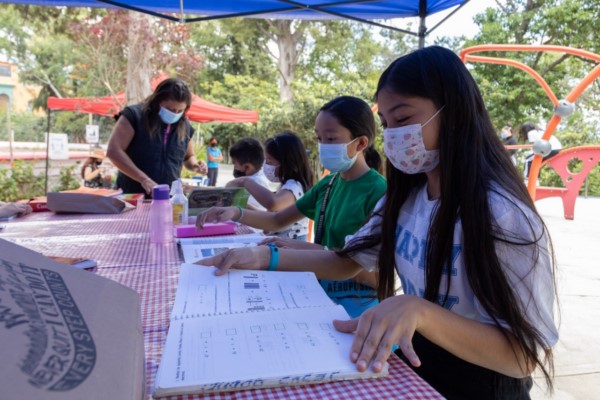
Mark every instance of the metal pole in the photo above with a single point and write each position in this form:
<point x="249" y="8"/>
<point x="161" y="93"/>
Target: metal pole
<point x="422" y="32"/>
<point x="47" y="152"/>
<point x="422" y="27"/>
<point x="11" y="137"/>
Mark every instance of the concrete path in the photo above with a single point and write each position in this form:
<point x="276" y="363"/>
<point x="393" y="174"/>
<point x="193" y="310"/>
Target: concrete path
<point x="577" y="247"/>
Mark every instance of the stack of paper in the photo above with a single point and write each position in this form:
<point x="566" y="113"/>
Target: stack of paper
<point x="252" y="329"/>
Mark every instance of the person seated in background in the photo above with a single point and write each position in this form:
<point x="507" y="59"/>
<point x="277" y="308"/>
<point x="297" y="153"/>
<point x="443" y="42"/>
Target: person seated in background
<point x="92" y="172"/>
<point x="508" y="140"/>
<point x="9" y="210"/>
<point x="338" y="204"/>
<point x="286" y="163"/>
<point x="151" y="141"/>
<point x="533" y="133"/>
<point x="248" y="156"/>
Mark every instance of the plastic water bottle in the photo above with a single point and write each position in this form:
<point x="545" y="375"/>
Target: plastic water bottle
<point x="179" y="203"/>
<point x="161" y="215"/>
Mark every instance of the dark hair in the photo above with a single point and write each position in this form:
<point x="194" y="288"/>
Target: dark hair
<point x="526" y="127"/>
<point x="248" y="150"/>
<point x="170" y="89"/>
<point x="473" y="163"/>
<point x="357" y="116"/>
<point x="88" y="161"/>
<point x="289" y="151"/>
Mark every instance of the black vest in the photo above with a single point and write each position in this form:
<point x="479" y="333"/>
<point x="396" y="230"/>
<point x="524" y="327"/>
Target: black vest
<point x="161" y="163"/>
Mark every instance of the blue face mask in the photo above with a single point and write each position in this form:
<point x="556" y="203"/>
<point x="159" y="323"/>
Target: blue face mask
<point x="169" y="117"/>
<point x="334" y="156"/>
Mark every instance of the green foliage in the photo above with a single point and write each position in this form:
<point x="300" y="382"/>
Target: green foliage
<point x="26" y="126"/>
<point x="19" y="182"/>
<point x="512" y="96"/>
<point x="69" y="178"/>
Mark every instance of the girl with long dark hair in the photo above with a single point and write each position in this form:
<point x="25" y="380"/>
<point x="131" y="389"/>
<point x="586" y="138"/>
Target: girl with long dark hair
<point x="459" y="228"/>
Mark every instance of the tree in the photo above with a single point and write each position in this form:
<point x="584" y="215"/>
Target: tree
<point x="41" y="50"/>
<point x="512" y="95"/>
<point x="139" y="55"/>
<point x="126" y="49"/>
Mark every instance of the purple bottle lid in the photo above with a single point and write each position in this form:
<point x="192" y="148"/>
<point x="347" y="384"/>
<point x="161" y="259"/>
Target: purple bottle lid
<point x="160" y="192"/>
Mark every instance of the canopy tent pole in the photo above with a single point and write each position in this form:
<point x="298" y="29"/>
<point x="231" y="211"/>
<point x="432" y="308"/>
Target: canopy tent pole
<point x="422" y="27"/>
<point x="47" y="152"/>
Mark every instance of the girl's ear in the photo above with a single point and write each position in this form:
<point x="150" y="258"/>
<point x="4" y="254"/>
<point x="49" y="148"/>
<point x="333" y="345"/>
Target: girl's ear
<point x="363" y="143"/>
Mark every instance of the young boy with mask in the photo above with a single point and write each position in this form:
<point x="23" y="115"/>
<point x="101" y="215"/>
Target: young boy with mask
<point x="248" y="157"/>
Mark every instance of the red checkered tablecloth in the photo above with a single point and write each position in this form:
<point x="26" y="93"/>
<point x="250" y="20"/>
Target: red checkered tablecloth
<point x="120" y="244"/>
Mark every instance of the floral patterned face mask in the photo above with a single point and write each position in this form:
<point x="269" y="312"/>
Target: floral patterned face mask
<point x="405" y="149"/>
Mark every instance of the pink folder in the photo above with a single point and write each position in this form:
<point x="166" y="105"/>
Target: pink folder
<point x="221" y="228"/>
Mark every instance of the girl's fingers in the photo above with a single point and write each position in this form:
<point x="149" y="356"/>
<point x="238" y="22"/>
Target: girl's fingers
<point x="347" y="326"/>
<point x="383" y="352"/>
<point x="409" y="352"/>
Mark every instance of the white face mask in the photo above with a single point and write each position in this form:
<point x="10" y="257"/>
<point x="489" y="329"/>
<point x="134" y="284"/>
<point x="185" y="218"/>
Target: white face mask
<point x="269" y="171"/>
<point x="405" y="149"/>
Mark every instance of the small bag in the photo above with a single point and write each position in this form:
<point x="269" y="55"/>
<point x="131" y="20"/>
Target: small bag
<point x="86" y="203"/>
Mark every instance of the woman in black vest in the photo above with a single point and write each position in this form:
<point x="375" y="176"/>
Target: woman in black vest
<point x="151" y="141"/>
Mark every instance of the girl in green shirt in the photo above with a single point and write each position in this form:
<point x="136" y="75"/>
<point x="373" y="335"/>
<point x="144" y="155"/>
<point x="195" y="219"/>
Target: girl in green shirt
<point x="339" y="204"/>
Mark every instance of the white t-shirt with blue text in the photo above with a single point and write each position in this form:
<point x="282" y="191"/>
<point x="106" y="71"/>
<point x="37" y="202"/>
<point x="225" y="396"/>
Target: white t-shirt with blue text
<point x="530" y="278"/>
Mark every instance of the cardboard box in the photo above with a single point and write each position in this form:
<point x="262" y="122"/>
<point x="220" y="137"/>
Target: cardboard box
<point x="73" y="202"/>
<point x="66" y="333"/>
<point x="38" y="204"/>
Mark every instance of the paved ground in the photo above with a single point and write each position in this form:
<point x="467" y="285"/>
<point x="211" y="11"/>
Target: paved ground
<point x="577" y="247"/>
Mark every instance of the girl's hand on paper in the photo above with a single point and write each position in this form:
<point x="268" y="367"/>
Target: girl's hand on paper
<point x="216" y="214"/>
<point x="254" y="257"/>
<point x="291" y="243"/>
<point x="393" y="321"/>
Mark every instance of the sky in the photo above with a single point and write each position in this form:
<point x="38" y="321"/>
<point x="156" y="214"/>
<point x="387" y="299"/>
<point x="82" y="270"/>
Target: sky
<point x="461" y="23"/>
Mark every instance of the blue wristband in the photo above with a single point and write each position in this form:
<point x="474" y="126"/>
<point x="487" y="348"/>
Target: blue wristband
<point x="274" y="260"/>
<point x="241" y="214"/>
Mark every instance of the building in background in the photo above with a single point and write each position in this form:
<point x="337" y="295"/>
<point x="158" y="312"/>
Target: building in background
<point x="20" y="97"/>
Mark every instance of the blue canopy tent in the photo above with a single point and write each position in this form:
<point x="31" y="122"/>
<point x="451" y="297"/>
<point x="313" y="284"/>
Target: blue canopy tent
<point x="366" y="11"/>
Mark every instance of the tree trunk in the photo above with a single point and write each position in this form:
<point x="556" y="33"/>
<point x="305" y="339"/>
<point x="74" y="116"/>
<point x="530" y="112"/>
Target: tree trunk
<point x="290" y="45"/>
<point x="139" y="73"/>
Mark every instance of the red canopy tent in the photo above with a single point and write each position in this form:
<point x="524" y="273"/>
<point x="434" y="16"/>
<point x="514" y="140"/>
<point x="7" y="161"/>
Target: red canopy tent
<point x="200" y="111"/>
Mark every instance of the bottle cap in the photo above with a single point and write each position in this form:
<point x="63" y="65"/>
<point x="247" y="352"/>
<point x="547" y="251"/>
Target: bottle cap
<point x="160" y="192"/>
<point x="176" y="187"/>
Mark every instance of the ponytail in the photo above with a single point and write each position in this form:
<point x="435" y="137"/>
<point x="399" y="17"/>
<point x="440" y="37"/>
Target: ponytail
<point x="373" y="159"/>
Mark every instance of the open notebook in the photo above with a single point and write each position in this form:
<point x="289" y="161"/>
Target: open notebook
<point x="252" y="329"/>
